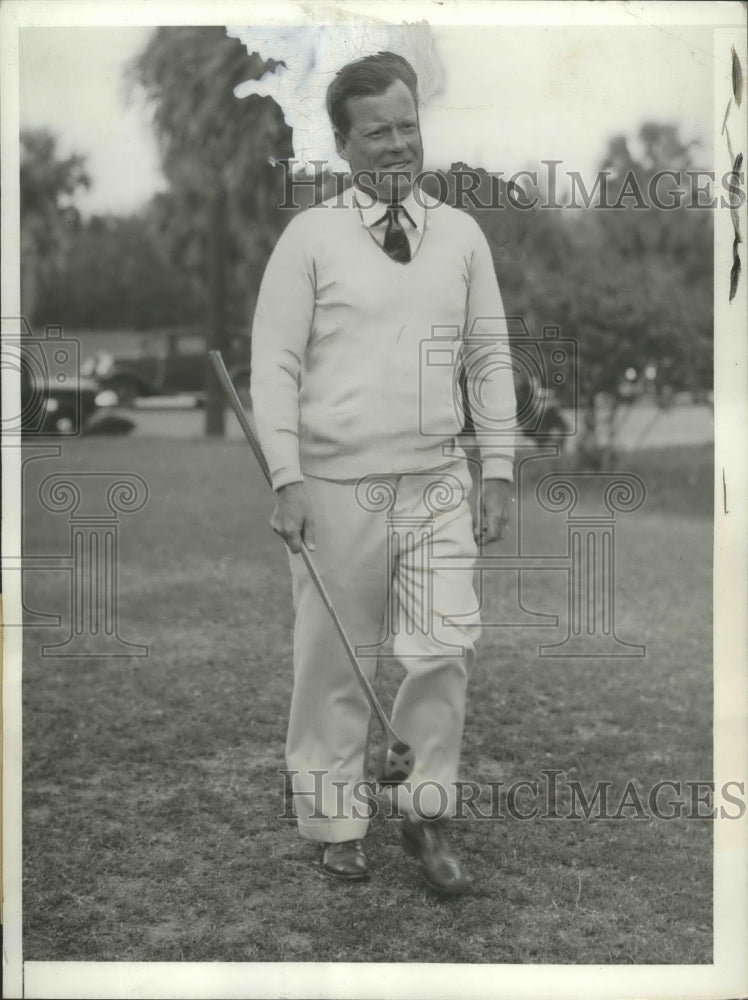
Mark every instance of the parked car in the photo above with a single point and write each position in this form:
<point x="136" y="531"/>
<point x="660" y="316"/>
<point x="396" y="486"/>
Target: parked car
<point x="168" y="364"/>
<point x="539" y="415"/>
<point x="76" y="406"/>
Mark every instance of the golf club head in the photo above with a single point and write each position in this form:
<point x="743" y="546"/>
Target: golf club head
<point x="398" y="763"/>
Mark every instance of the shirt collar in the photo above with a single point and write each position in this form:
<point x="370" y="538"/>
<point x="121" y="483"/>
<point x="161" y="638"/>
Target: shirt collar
<point x="414" y="209"/>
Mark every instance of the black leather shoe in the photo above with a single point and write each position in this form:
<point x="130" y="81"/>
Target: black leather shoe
<point x="346" y="860"/>
<point x="426" y="840"/>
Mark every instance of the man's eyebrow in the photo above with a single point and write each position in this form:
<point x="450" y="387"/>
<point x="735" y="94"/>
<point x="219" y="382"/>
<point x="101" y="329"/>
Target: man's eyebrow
<point x="387" y="123"/>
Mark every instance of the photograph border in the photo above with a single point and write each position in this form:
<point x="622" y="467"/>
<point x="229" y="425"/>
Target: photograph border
<point x="728" y="975"/>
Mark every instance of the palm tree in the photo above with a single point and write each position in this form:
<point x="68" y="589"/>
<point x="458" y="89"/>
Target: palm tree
<point x="215" y="150"/>
<point x="48" y="185"/>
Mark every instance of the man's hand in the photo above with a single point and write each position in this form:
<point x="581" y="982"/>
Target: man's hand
<point x="492" y="517"/>
<point x="292" y="518"/>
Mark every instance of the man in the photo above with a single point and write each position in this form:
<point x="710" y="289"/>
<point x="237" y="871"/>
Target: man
<point x="359" y="433"/>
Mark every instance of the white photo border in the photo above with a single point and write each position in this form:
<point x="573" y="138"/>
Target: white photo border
<point x="728" y="975"/>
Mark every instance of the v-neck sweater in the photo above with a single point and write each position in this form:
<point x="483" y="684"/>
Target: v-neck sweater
<point x="356" y="358"/>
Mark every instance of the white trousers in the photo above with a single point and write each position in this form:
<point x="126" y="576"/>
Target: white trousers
<point x="375" y="544"/>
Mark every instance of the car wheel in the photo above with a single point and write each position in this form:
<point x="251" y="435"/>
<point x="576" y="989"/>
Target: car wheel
<point x="127" y="389"/>
<point x="64" y="425"/>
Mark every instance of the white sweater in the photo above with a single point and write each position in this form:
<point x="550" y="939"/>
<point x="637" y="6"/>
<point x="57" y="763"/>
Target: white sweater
<point x="355" y="356"/>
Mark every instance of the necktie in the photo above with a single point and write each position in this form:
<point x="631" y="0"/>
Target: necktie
<point x="396" y="243"/>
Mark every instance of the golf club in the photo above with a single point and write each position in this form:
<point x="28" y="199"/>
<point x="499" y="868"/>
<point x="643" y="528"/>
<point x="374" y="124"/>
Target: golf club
<point x="400" y="757"/>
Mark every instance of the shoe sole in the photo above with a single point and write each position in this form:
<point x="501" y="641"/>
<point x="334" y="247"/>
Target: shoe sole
<point x="342" y="877"/>
<point x="440" y="890"/>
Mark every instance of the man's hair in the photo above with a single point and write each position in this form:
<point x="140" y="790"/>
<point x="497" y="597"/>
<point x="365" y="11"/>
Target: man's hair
<point x="367" y="77"/>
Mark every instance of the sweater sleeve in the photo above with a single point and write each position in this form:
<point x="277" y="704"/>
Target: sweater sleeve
<point x="488" y="366"/>
<point x="280" y="332"/>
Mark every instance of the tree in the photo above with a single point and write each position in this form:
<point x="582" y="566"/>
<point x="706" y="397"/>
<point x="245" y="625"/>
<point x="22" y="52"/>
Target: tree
<point x="215" y="152"/>
<point x="632" y="286"/>
<point x="48" y="185"/>
<point x="116" y="273"/>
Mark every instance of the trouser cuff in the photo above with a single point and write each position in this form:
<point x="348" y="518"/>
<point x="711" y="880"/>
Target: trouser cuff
<point x="333" y="831"/>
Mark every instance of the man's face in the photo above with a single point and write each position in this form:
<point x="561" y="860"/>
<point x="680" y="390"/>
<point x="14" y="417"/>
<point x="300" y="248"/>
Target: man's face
<point x="384" y="135"/>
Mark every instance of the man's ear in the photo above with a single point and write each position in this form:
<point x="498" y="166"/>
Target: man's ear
<point x="341" y="145"/>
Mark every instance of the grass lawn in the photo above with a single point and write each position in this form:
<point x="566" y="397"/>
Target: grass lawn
<point x="151" y="787"/>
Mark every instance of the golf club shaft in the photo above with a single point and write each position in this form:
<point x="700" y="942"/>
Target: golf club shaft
<point x="246" y="425"/>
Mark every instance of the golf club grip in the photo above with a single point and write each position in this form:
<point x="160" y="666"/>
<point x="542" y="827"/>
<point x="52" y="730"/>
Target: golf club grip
<point x="246" y="425"/>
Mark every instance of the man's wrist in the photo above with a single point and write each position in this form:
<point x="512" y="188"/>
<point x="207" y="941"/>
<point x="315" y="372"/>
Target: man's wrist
<point x="287" y="474"/>
<point x="294" y="482"/>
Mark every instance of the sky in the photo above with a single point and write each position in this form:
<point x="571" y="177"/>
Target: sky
<point x="512" y="97"/>
<point x="72" y="82"/>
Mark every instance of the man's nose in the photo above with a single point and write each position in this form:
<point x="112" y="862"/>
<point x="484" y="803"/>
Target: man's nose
<point x="397" y="140"/>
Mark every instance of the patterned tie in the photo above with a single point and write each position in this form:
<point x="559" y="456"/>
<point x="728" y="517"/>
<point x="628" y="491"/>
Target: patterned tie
<point x="396" y="243"/>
